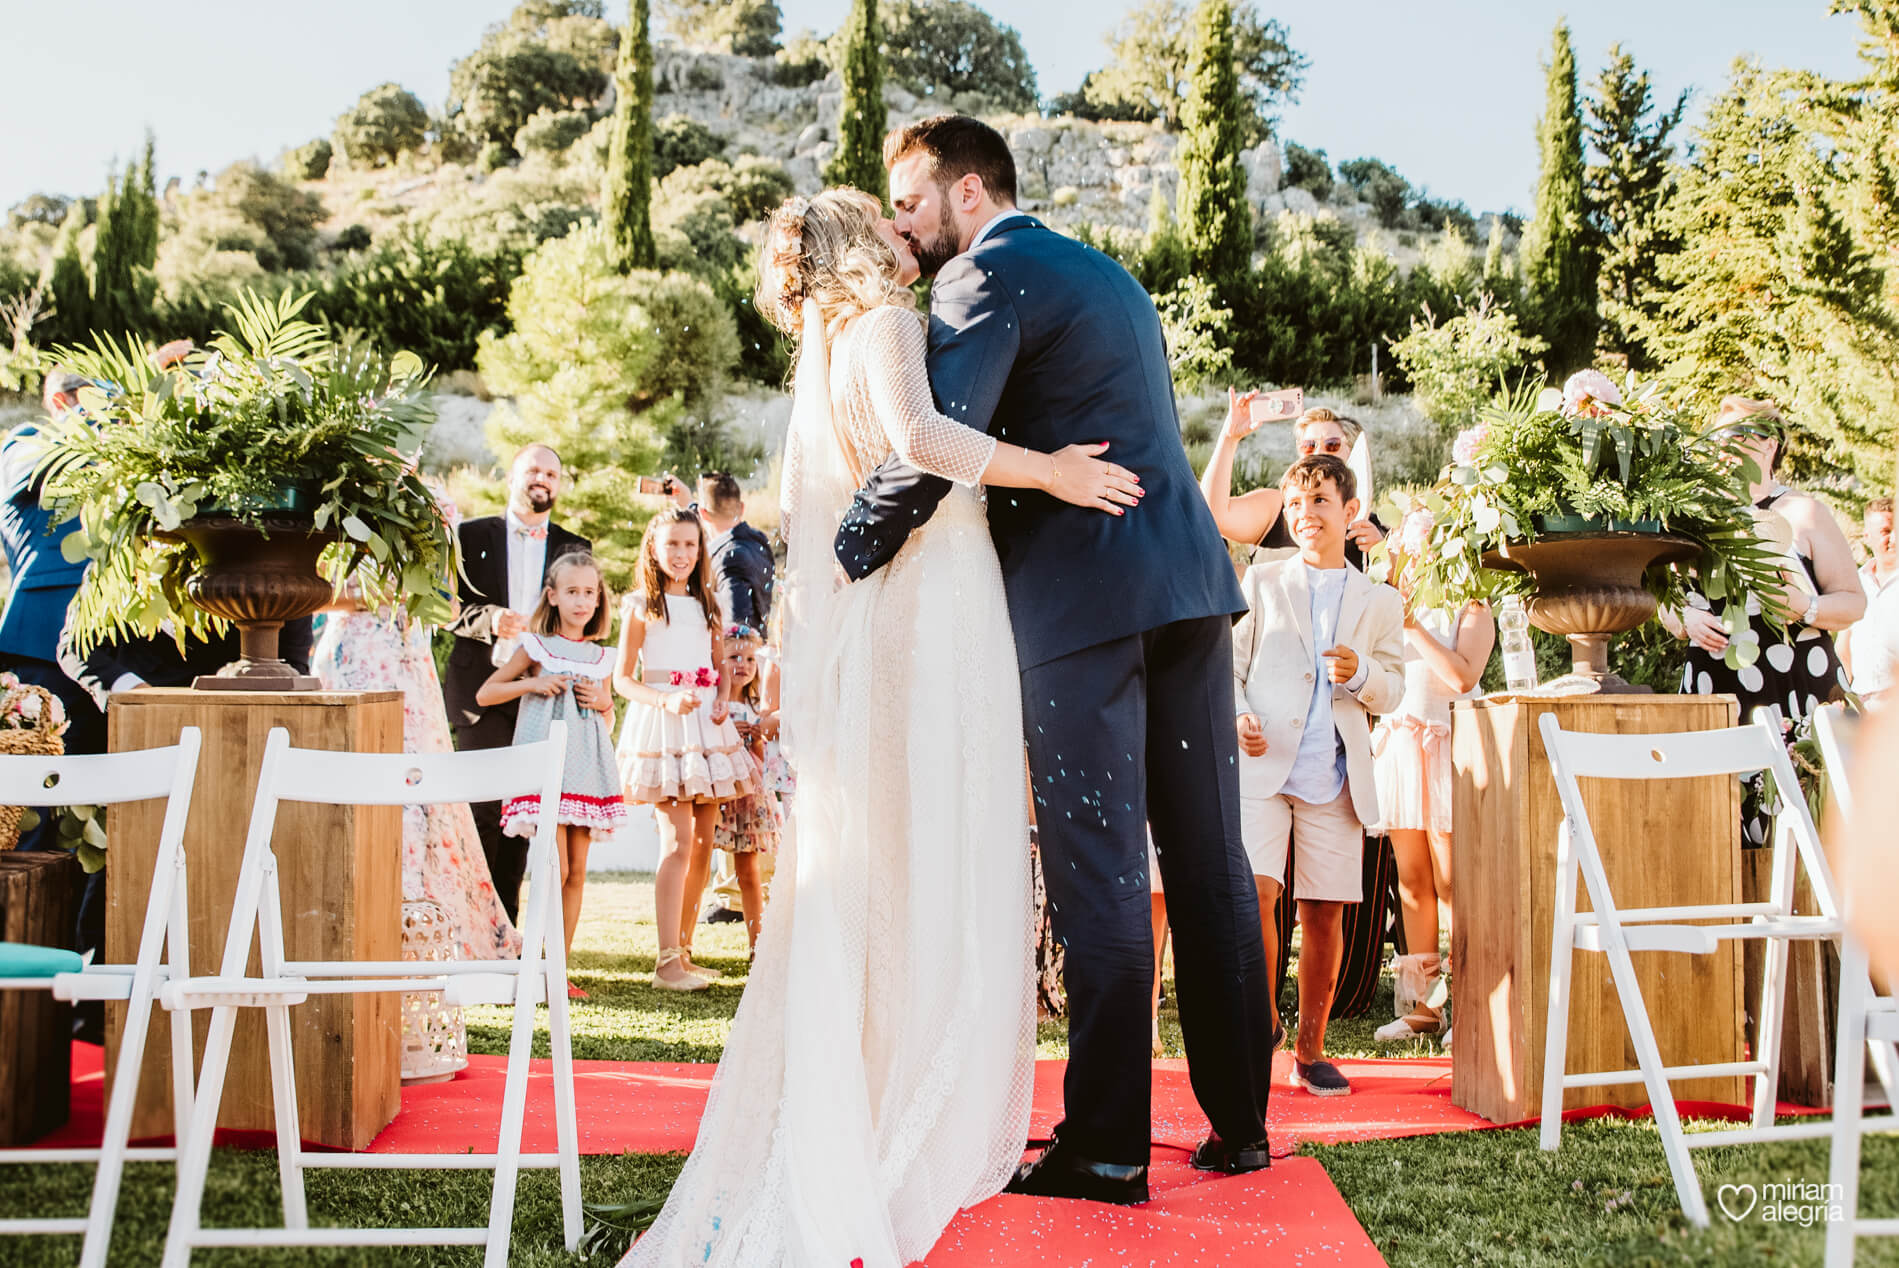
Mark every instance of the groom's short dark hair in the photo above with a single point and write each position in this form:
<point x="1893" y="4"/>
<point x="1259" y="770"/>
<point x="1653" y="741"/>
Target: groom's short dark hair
<point x="957" y="145"/>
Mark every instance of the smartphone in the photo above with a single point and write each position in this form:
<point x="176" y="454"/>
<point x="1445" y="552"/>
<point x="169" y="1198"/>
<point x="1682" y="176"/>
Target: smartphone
<point x="662" y="485"/>
<point x="1278" y="407"/>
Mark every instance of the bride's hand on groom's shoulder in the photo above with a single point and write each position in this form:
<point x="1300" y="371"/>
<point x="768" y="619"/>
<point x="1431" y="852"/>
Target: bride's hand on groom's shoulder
<point x="1078" y="476"/>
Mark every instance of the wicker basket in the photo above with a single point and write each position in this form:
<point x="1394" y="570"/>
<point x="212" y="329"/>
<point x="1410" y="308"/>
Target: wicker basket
<point x="39" y="741"/>
<point x="434" y="1044"/>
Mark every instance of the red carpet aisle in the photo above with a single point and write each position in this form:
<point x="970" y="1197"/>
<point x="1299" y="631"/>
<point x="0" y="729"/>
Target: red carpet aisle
<point x="1290" y="1214"/>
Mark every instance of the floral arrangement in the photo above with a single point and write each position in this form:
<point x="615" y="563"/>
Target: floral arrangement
<point x="25" y="708"/>
<point x="1593" y="457"/>
<point x="275" y="412"/>
<point x="700" y="677"/>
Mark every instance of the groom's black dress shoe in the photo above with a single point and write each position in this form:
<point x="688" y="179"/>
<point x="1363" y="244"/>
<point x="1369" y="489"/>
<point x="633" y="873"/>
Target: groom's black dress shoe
<point x="1215" y="1154"/>
<point x="1059" y="1173"/>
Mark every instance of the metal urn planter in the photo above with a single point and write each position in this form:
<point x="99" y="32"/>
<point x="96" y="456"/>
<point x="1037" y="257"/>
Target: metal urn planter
<point x="1589" y="589"/>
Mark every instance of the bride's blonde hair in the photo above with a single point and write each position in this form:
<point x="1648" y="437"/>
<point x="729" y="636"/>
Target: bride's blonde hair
<point x="827" y="249"/>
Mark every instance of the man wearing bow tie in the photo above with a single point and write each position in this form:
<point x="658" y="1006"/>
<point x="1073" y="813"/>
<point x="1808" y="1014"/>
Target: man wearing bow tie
<point x="504" y="568"/>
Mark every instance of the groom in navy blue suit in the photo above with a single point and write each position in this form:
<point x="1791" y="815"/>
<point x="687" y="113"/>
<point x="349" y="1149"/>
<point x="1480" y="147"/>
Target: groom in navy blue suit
<point x="1123" y="633"/>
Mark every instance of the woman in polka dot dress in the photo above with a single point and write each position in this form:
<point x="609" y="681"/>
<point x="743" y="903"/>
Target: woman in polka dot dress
<point x="1798" y="669"/>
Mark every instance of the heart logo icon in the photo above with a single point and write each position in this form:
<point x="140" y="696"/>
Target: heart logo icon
<point x="1737" y="1200"/>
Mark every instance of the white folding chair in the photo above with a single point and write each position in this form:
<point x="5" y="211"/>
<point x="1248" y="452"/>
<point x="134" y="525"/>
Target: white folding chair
<point x="1617" y="933"/>
<point x="308" y="775"/>
<point x="1867" y="1020"/>
<point x="111" y="779"/>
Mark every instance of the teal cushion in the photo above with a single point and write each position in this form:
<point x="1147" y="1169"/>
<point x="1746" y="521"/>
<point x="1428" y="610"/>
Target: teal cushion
<point x="23" y="959"/>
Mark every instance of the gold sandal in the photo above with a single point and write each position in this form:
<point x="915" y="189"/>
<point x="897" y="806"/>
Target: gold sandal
<point x="672" y="955"/>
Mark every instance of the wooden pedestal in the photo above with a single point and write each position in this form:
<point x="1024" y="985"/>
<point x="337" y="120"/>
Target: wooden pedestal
<point x="39" y="900"/>
<point x="1664" y="843"/>
<point x="340" y="869"/>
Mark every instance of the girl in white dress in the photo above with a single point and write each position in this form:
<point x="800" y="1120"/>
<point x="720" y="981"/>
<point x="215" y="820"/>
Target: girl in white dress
<point x="877" y="1076"/>
<point x="679" y="751"/>
<point x="1444" y="656"/>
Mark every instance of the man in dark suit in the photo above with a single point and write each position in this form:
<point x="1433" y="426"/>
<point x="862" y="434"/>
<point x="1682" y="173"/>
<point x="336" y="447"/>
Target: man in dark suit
<point x="1123" y="633"/>
<point x="742" y="564"/>
<point x="504" y="568"/>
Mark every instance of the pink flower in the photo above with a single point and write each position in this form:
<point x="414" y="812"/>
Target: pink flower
<point x="1469" y="441"/>
<point x="676" y="678"/>
<point x="704" y="677"/>
<point x="1415" y="533"/>
<point x="1589" y="392"/>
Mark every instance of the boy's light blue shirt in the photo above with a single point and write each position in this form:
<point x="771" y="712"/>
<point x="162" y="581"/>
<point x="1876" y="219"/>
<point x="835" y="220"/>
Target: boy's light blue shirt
<point x="1318" y="771"/>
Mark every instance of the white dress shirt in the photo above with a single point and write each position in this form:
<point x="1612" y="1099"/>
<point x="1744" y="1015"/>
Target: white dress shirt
<point x="1318" y="772"/>
<point x="995" y="222"/>
<point x="527" y="570"/>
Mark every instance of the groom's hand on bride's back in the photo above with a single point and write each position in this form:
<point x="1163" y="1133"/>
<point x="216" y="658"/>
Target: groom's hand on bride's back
<point x="895" y="500"/>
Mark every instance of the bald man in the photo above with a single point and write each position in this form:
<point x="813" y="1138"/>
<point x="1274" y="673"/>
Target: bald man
<point x="504" y="567"/>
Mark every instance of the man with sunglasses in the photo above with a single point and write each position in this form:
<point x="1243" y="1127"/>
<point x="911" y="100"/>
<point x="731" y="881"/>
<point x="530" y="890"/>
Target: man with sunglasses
<point x="1253" y="518"/>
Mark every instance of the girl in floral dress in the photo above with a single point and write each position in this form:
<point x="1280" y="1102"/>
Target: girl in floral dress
<point x="747" y="827"/>
<point x="359" y="650"/>
<point x="679" y="751"/>
<point x="559" y="674"/>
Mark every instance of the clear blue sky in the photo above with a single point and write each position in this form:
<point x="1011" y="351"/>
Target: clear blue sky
<point x="1448" y="92"/>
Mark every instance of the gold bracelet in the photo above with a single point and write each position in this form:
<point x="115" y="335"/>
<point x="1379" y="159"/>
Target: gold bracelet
<point x="1054" y="472"/>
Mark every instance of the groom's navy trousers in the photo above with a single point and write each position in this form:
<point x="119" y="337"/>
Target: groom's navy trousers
<point x="1123" y="630"/>
<point x="1095" y="798"/>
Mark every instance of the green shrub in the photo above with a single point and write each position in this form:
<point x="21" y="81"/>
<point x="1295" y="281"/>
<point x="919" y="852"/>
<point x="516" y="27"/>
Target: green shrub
<point x="804" y="60"/>
<point x="434" y="296"/>
<point x="1459" y="366"/>
<point x="352" y="238"/>
<point x="953" y="45"/>
<point x="750" y="187"/>
<point x="703" y="78"/>
<point x="552" y="131"/>
<point x="1199" y="335"/>
<point x="1380" y="185"/>
<point x="308" y="162"/>
<point x="1309" y="170"/>
<point x="386" y="122"/>
<point x="682" y="142"/>
<point x="550" y="54"/>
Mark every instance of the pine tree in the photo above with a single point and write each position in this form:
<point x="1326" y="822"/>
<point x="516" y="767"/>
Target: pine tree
<point x="123" y="288"/>
<point x="67" y="285"/>
<point x="859" y="161"/>
<point x="1559" y="262"/>
<point x="1215" y="220"/>
<point x="1626" y="188"/>
<point x="628" y="195"/>
<point x="1773" y="294"/>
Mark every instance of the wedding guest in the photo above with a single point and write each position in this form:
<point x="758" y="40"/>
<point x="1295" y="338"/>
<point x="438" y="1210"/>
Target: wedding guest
<point x="746" y="830"/>
<point x="1254" y="518"/>
<point x="1798" y="668"/>
<point x="679" y="751"/>
<point x="1871" y="674"/>
<point x="1320" y="647"/>
<point x="1444" y="656"/>
<point x="742" y="562"/>
<point x="442" y="859"/>
<point x="42" y="582"/>
<point x="505" y="559"/>
<point x="558" y="673"/>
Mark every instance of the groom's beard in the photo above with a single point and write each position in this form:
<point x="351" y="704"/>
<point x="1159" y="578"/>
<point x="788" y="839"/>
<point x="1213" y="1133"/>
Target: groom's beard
<point x="934" y="253"/>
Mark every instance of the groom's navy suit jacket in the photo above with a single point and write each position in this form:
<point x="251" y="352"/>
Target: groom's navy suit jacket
<point x="1044" y="342"/>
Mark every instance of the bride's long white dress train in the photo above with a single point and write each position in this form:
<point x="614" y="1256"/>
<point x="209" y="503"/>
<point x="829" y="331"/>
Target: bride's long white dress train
<point x="878" y="1073"/>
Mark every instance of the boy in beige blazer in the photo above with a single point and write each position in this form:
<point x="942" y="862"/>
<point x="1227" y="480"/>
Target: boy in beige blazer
<point x="1320" y="647"/>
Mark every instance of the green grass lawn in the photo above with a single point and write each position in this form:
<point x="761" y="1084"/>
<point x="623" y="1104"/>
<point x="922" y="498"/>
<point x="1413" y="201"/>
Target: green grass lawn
<point x="1433" y="1201"/>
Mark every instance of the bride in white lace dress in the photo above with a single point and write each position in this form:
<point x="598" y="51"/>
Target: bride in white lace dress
<point x="878" y="1073"/>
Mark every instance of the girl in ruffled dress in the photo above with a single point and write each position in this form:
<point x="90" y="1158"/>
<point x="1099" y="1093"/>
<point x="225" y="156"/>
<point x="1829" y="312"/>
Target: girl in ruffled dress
<point x="559" y="674"/>
<point x="747" y="827"/>
<point x="679" y="751"/>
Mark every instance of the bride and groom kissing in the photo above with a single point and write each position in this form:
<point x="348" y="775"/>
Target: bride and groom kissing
<point x="878" y="1074"/>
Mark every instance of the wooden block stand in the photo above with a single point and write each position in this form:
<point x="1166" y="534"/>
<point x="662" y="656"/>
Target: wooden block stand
<point x="340" y="870"/>
<point x="1664" y="843"/>
<point x="39" y="901"/>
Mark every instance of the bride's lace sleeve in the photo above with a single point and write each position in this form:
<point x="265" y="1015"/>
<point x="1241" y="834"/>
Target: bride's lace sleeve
<point x="896" y="369"/>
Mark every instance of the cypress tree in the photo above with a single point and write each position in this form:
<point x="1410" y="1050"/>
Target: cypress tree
<point x="1559" y="262"/>
<point x="123" y="288"/>
<point x="1626" y="188"/>
<point x="66" y="283"/>
<point x="628" y="196"/>
<point x="859" y="161"/>
<point x="1215" y="220"/>
<point x="1500" y="278"/>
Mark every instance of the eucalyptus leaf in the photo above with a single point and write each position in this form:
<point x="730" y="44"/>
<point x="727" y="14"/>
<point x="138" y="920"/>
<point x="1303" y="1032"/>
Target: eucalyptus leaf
<point x="355" y="527"/>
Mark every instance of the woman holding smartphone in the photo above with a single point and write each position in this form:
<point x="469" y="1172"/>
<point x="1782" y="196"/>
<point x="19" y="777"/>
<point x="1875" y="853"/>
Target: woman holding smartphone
<point x="1252" y="518"/>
